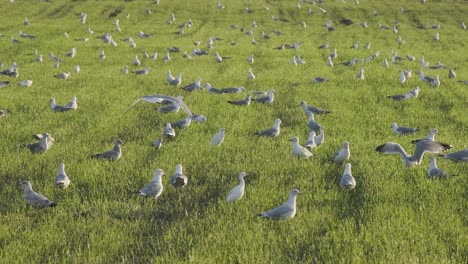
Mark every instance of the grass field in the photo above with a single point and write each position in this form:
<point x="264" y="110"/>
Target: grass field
<point x="394" y="215"/>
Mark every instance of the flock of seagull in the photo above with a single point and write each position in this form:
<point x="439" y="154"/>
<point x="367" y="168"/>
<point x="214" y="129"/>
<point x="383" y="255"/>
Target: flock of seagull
<point x="172" y="104"/>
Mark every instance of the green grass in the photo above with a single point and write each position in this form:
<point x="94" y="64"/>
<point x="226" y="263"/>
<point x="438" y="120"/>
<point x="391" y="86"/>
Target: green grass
<point x="395" y="214"/>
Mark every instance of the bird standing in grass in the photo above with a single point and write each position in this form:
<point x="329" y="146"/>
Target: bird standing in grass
<point x="154" y="188"/>
<point x="179" y="180"/>
<point x="238" y="191"/>
<point x="33" y="198"/>
<point x="218" y="138"/>
<point x="61" y="180"/>
<point x="285" y="211"/>
<point x="342" y="154"/>
<point x="298" y="150"/>
<point x="113" y="154"/>
<point x="347" y="179"/>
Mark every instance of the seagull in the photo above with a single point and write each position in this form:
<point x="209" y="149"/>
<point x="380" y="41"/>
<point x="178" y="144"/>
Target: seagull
<point x="167" y="57"/>
<point x="310" y="144"/>
<point x="72" y="53"/>
<point x="463" y="26"/>
<point x="136" y="61"/>
<point x="159" y="98"/>
<point x="154" y="188"/>
<point x="250" y="75"/>
<point x="61" y="180"/>
<point x="286" y="210"/>
<point x="57" y="108"/>
<point x="334" y="54"/>
<point x="425" y="78"/>
<point x="124" y="70"/>
<point x="324" y="46"/>
<point x="44" y="144"/>
<point x="15" y="41"/>
<point x="298" y="150"/>
<point x="195" y="85"/>
<point x="169" y="132"/>
<point x="199" y="118"/>
<point x="176" y="81"/>
<point x="141" y="71"/>
<point x="271" y="132"/>
<point x="347" y="180"/>
<point x="39" y="58"/>
<point x="62" y="75"/>
<point x="3" y="112"/>
<point x="411" y="94"/>
<point x="218" y="138"/>
<point x="23" y="35"/>
<point x="157" y="143"/>
<point x="179" y="180"/>
<point x="312" y="109"/>
<point x="421" y="148"/>
<point x="267" y="99"/>
<point x="243" y="102"/>
<point x="319" y="80"/>
<point x="312" y="124"/>
<point x="111" y="155"/>
<point x="4" y="84"/>
<point x="238" y="191"/>
<point x="213" y="90"/>
<point x="436" y="82"/>
<point x="72" y="105"/>
<point x="26" y="21"/>
<point x="33" y="198"/>
<point x="399" y="130"/>
<point x="434" y="172"/>
<point x="143" y="35"/>
<point x="77" y="69"/>
<point x="233" y="89"/>
<point x="102" y="56"/>
<point x="250" y="59"/>
<point x="461" y="155"/>
<point x="360" y="75"/>
<point x="452" y="74"/>
<point x="183" y="122"/>
<point x="385" y="63"/>
<point x="342" y="154"/>
<point x="431" y="137"/>
<point x="329" y="62"/>
<point x="320" y="138"/>
<point x="218" y="58"/>
<point x="25" y="83"/>
<point x="402" y="77"/>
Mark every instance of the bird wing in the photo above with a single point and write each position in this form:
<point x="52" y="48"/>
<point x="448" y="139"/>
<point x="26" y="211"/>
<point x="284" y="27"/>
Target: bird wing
<point x="158" y="98"/>
<point x="391" y="148"/>
<point x="278" y="212"/>
<point x="424" y="146"/>
<point x="268" y="132"/>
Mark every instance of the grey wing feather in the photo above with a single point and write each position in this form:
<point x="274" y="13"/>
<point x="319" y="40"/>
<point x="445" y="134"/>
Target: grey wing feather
<point x="278" y="212"/>
<point x="390" y="148"/>
<point x="267" y="132"/>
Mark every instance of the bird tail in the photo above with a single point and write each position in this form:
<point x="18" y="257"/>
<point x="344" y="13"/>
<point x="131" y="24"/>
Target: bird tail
<point x="446" y="146"/>
<point x="95" y="156"/>
<point x="53" y="204"/>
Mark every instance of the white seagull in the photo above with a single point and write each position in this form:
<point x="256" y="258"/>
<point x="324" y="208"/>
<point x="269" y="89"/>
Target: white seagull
<point x="61" y="180"/>
<point x="347" y="179"/>
<point x="342" y="154"/>
<point x="154" y="188"/>
<point x="238" y="191"/>
<point x="179" y="180"/>
<point x="33" y="198"/>
<point x="218" y="138"/>
<point x="286" y="210"/>
<point x="271" y="132"/>
<point x="298" y="150"/>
